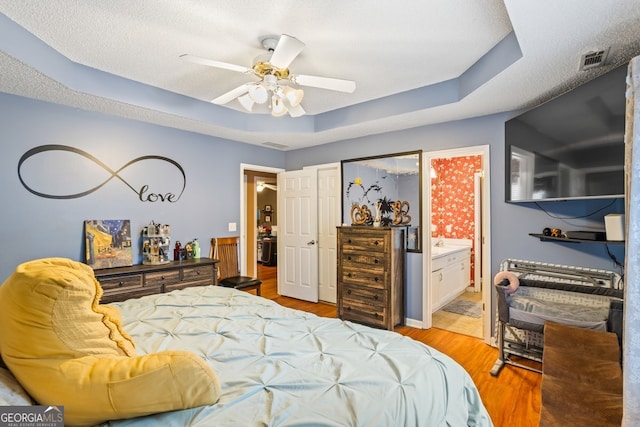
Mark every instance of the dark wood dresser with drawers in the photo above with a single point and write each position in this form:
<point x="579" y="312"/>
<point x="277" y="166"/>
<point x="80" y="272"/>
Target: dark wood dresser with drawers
<point x="371" y="275"/>
<point x="121" y="283"/>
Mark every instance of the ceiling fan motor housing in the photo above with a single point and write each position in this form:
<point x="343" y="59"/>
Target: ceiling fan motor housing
<point x="263" y="69"/>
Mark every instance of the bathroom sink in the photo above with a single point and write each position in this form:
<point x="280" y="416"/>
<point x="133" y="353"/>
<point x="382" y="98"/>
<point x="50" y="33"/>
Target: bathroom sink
<point x="437" y="251"/>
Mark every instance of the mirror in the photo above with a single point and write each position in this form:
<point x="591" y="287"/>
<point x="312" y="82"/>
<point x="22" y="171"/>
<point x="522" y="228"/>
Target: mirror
<point x="384" y="191"/>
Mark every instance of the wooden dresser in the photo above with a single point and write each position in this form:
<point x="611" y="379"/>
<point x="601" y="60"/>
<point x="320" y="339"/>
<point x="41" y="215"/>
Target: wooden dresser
<point x="371" y="275"/>
<point x="121" y="283"/>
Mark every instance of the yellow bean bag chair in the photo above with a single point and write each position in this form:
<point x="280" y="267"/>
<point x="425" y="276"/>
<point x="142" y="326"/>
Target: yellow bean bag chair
<point x="67" y="349"/>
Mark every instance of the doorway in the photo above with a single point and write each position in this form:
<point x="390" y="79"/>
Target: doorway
<point x="252" y="214"/>
<point x="457" y="297"/>
<point x="266" y="224"/>
<point x="329" y="217"/>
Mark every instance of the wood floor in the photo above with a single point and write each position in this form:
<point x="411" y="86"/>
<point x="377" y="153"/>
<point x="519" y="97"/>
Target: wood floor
<point x="512" y="399"/>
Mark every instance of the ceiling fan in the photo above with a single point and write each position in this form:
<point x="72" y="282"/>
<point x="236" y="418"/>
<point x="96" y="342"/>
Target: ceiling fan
<point x="273" y="70"/>
<point x="262" y="185"/>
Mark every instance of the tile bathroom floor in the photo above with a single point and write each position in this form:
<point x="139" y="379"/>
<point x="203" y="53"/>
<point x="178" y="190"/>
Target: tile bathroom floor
<point x="458" y="323"/>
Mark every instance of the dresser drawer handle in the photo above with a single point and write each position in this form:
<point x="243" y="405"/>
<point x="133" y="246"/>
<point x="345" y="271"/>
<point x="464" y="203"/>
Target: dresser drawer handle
<point x="120" y="284"/>
<point x="349" y="292"/>
<point x="376" y="279"/>
<point x="348" y="274"/>
<point x="197" y="273"/>
<point x="349" y="241"/>
<point x="375" y="261"/>
<point x="375" y="297"/>
<point x="376" y="243"/>
<point x="348" y="308"/>
<point x="349" y="257"/>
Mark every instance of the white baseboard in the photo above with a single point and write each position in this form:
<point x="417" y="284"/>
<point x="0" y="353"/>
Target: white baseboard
<point x="413" y="323"/>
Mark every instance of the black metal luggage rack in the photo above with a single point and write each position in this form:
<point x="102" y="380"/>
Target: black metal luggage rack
<point x="577" y="285"/>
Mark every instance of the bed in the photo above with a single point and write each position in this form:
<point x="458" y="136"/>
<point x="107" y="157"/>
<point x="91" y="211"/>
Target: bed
<point x="280" y="366"/>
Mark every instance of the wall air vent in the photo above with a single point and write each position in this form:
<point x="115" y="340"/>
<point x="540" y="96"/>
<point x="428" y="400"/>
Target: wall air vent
<point x="593" y="59"/>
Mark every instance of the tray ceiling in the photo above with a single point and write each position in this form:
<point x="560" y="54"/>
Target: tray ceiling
<point x="420" y="63"/>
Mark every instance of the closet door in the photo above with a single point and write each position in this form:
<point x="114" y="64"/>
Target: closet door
<point x="329" y="187"/>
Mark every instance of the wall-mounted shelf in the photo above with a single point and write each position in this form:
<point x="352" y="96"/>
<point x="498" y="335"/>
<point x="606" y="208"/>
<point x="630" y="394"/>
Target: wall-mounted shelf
<point x="544" y="238"/>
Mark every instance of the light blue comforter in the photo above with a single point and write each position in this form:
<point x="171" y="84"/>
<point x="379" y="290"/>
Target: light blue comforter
<point x="283" y="367"/>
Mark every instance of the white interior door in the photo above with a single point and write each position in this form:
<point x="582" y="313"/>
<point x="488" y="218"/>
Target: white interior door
<point x="298" y="234"/>
<point x="329" y="189"/>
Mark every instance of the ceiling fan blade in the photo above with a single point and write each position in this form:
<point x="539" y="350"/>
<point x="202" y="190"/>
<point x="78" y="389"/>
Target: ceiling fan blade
<point x="296" y="111"/>
<point x="286" y="50"/>
<point x="232" y="94"/>
<point x="214" y="63"/>
<point x="325" y="83"/>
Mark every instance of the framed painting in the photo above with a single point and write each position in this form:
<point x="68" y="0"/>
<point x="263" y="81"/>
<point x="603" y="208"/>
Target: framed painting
<point x="108" y="243"/>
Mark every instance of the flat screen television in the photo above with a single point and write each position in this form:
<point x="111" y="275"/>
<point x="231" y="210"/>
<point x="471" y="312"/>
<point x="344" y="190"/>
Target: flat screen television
<point x="571" y="147"/>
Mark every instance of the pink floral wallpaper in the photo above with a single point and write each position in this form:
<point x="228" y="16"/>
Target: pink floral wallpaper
<point x="453" y="199"/>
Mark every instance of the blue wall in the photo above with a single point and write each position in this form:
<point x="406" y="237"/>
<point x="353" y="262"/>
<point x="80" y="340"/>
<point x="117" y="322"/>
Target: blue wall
<point x="34" y="227"/>
<point x="510" y="223"/>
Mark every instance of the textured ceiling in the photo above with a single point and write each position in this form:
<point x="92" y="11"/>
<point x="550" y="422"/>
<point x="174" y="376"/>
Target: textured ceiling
<point x="414" y="63"/>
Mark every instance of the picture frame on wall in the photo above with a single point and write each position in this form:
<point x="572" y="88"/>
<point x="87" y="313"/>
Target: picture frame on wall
<point x="108" y="243"/>
<point x="267" y="208"/>
<point x="267" y="218"/>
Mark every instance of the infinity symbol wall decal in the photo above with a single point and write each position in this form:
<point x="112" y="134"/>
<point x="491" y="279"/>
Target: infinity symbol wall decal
<point x="143" y="194"/>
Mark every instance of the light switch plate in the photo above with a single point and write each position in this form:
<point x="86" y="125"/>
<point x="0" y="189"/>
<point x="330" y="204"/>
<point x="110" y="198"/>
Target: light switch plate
<point x="232" y="226"/>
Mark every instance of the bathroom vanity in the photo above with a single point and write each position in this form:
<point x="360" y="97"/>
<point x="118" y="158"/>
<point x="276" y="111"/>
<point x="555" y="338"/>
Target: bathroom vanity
<point x="450" y="273"/>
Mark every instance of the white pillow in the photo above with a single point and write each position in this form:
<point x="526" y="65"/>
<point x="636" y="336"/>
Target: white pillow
<point x="11" y="392"/>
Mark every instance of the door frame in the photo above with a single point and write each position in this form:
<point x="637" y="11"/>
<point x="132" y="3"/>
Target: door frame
<point x="484" y="152"/>
<point x="243" y="208"/>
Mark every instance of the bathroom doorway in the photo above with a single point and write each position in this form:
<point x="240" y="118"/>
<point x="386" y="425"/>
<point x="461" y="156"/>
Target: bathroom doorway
<point x="456" y="291"/>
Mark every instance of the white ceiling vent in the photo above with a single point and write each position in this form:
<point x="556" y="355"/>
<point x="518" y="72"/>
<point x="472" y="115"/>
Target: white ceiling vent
<point x="593" y="59"/>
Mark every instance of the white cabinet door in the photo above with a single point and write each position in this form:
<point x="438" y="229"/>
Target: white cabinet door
<point x="452" y="275"/>
<point x="450" y="279"/>
<point x="437" y="288"/>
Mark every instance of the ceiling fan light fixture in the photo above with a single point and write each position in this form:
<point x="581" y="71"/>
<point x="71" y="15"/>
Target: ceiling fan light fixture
<point x="270" y="81"/>
<point x="277" y="106"/>
<point x="293" y="96"/>
<point x="246" y="101"/>
<point x="258" y="94"/>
